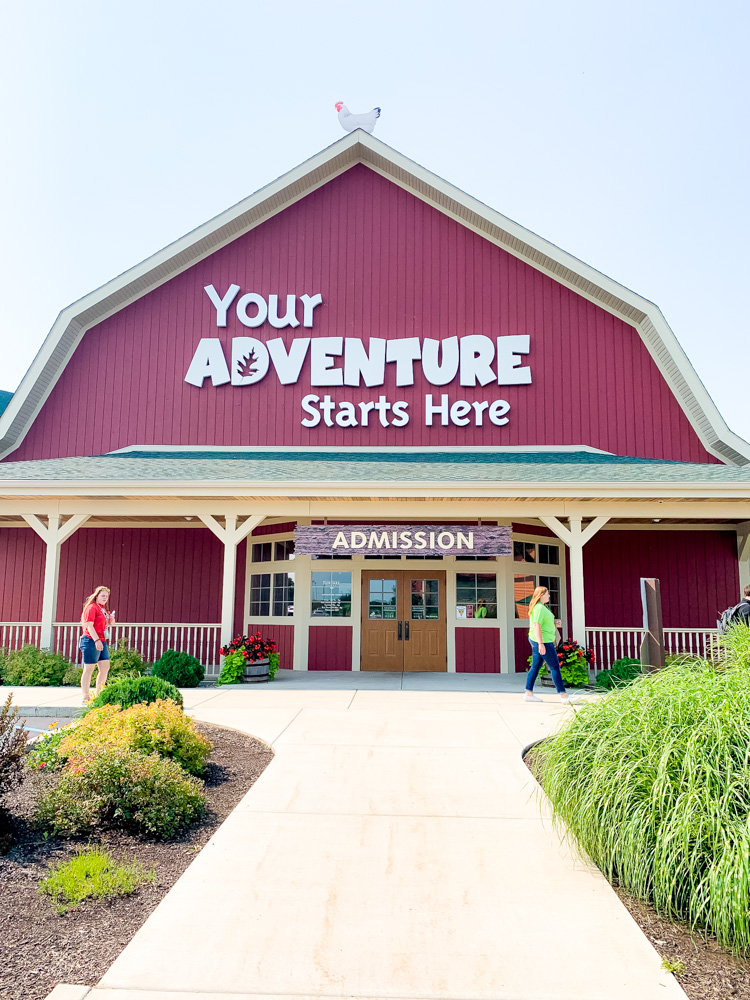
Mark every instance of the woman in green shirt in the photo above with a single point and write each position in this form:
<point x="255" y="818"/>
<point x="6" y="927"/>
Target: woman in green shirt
<point x="542" y="628"/>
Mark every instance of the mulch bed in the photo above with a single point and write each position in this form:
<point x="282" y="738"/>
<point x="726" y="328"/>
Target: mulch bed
<point x="710" y="973"/>
<point x="38" y="948"/>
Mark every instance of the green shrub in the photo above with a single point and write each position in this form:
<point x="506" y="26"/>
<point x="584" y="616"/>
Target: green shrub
<point x="273" y="665"/>
<point x="30" y="666"/>
<point x="12" y="746"/>
<point x="91" y="874"/>
<point x="119" y="787"/>
<point x="180" y="669"/>
<point x="45" y="752"/>
<point x="127" y="691"/>
<point x="126" y="662"/>
<point x="232" y="669"/>
<point x="160" y="727"/>
<point x="653" y="783"/>
<point x="622" y="672"/>
<point x="72" y="675"/>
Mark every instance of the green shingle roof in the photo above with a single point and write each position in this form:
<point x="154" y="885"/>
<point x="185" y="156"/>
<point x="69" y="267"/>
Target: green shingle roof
<point x="321" y="467"/>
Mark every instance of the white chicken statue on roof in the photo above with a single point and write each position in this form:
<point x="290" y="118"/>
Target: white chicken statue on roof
<point x="350" y="122"/>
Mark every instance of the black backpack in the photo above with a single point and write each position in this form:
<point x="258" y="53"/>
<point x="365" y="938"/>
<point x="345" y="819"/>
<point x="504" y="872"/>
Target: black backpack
<point x="732" y="616"/>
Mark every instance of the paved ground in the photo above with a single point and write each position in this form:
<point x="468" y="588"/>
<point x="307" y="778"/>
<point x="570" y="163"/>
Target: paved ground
<point x="396" y="847"/>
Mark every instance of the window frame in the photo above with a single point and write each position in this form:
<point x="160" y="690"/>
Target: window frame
<point x="538" y="569"/>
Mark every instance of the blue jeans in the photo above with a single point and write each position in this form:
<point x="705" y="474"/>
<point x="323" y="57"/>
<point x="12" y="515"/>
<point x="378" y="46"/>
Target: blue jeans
<point x="550" y="658"/>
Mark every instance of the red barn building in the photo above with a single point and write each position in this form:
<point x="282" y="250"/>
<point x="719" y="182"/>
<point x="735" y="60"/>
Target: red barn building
<point x="365" y="414"/>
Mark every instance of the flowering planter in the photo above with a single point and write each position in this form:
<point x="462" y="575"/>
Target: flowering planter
<point x="256" y="671"/>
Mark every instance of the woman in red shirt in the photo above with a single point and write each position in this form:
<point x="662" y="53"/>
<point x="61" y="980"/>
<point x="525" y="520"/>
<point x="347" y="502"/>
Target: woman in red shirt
<point x="95" y="620"/>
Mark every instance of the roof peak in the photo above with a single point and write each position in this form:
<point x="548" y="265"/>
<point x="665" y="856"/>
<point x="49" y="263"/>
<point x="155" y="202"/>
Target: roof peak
<point x="318" y="170"/>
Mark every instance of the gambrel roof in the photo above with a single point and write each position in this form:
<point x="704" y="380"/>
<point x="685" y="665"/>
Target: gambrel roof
<point x="359" y="147"/>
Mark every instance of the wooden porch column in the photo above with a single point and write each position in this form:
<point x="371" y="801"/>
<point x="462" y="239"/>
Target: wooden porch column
<point x="230" y="536"/>
<point x="575" y="537"/>
<point x="53" y="534"/>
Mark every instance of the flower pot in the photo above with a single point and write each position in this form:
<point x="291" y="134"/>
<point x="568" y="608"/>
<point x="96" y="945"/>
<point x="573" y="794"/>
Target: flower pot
<point x="256" y="671"/>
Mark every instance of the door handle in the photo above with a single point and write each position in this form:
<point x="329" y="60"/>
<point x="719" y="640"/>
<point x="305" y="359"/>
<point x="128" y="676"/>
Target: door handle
<point x="399" y="632"/>
<point x="406" y="636"/>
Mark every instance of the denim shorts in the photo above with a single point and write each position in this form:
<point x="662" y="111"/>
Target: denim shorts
<point x="90" y="653"/>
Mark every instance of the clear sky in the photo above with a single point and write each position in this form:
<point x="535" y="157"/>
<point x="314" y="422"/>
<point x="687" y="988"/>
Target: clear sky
<point x="617" y="131"/>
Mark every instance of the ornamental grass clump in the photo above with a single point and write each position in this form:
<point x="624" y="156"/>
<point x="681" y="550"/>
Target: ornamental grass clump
<point x="653" y="783"/>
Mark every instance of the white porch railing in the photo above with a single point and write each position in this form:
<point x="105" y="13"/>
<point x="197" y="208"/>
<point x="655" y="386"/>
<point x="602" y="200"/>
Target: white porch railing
<point x="151" y="640"/>
<point x="610" y="644"/>
<point x="696" y="642"/>
<point x="14" y="635"/>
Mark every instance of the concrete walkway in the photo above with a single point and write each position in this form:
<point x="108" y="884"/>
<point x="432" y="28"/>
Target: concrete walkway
<point x="396" y="847"/>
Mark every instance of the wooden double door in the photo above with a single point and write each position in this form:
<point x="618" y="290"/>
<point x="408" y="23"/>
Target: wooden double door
<point x="403" y="620"/>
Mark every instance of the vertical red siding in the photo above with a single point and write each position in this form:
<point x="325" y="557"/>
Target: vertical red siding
<point x="22" y="554"/>
<point x="698" y="571"/>
<point x="283" y="636"/>
<point x="274" y="529"/>
<point x="477" y="651"/>
<point x="155" y="574"/>
<point x="329" y="647"/>
<point x="386" y="265"/>
<point x="522" y="649"/>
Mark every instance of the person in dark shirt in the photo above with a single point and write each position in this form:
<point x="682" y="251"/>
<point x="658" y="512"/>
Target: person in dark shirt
<point x="743" y="611"/>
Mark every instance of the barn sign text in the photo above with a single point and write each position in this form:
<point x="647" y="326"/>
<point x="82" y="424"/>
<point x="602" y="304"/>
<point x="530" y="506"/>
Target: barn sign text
<point x="416" y="539"/>
<point x="475" y="359"/>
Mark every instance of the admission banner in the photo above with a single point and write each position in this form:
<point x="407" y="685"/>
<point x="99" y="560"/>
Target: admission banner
<point x="403" y="539"/>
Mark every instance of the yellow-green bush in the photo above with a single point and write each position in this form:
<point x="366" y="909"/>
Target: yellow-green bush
<point x="159" y="727"/>
<point x="114" y="786"/>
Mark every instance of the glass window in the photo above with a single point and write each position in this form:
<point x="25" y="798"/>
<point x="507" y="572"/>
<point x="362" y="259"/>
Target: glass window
<point x="382" y="599"/>
<point x="331" y="595"/>
<point x="549" y="554"/>
<point x="476" y="558"/>
<point x="524" y="587"/>
<point x="476" y="591"/>
<point x="332" y="557"/>
<point x="552" y="583"/>
<point x="530" y="552"/>
<point x="260" y="595"/>
<point x="262" y="552"/>
<point x="283" y="594"/>
<point x="524" y="552"/>
<point x="284" y="550"/>
<point x="425" y="599"/>
<point x="440" y="558"/>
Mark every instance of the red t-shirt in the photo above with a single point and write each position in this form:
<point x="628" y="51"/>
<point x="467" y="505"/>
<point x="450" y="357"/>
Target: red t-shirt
<point x="95" y="614"/>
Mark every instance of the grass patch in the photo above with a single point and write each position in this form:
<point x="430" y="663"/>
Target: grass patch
<point x="91" y="874"/>
<point x="653" y="784"/>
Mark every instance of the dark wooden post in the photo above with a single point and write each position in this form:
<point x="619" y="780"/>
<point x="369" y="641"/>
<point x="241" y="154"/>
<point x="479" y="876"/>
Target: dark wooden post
<point x="652" y="647"/>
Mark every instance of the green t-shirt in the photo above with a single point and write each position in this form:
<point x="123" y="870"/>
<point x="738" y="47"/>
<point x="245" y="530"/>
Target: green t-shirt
<point x="542" y="614"/>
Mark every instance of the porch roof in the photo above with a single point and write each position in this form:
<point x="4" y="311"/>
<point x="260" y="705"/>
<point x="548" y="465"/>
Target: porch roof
<point x="243" y="468"/>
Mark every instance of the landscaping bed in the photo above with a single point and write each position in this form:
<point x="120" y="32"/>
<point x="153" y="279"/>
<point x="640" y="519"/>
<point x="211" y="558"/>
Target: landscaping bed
<point x="708" y="972"/>
<point x="652" y="784"/>
<point x="38" y="947"/>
